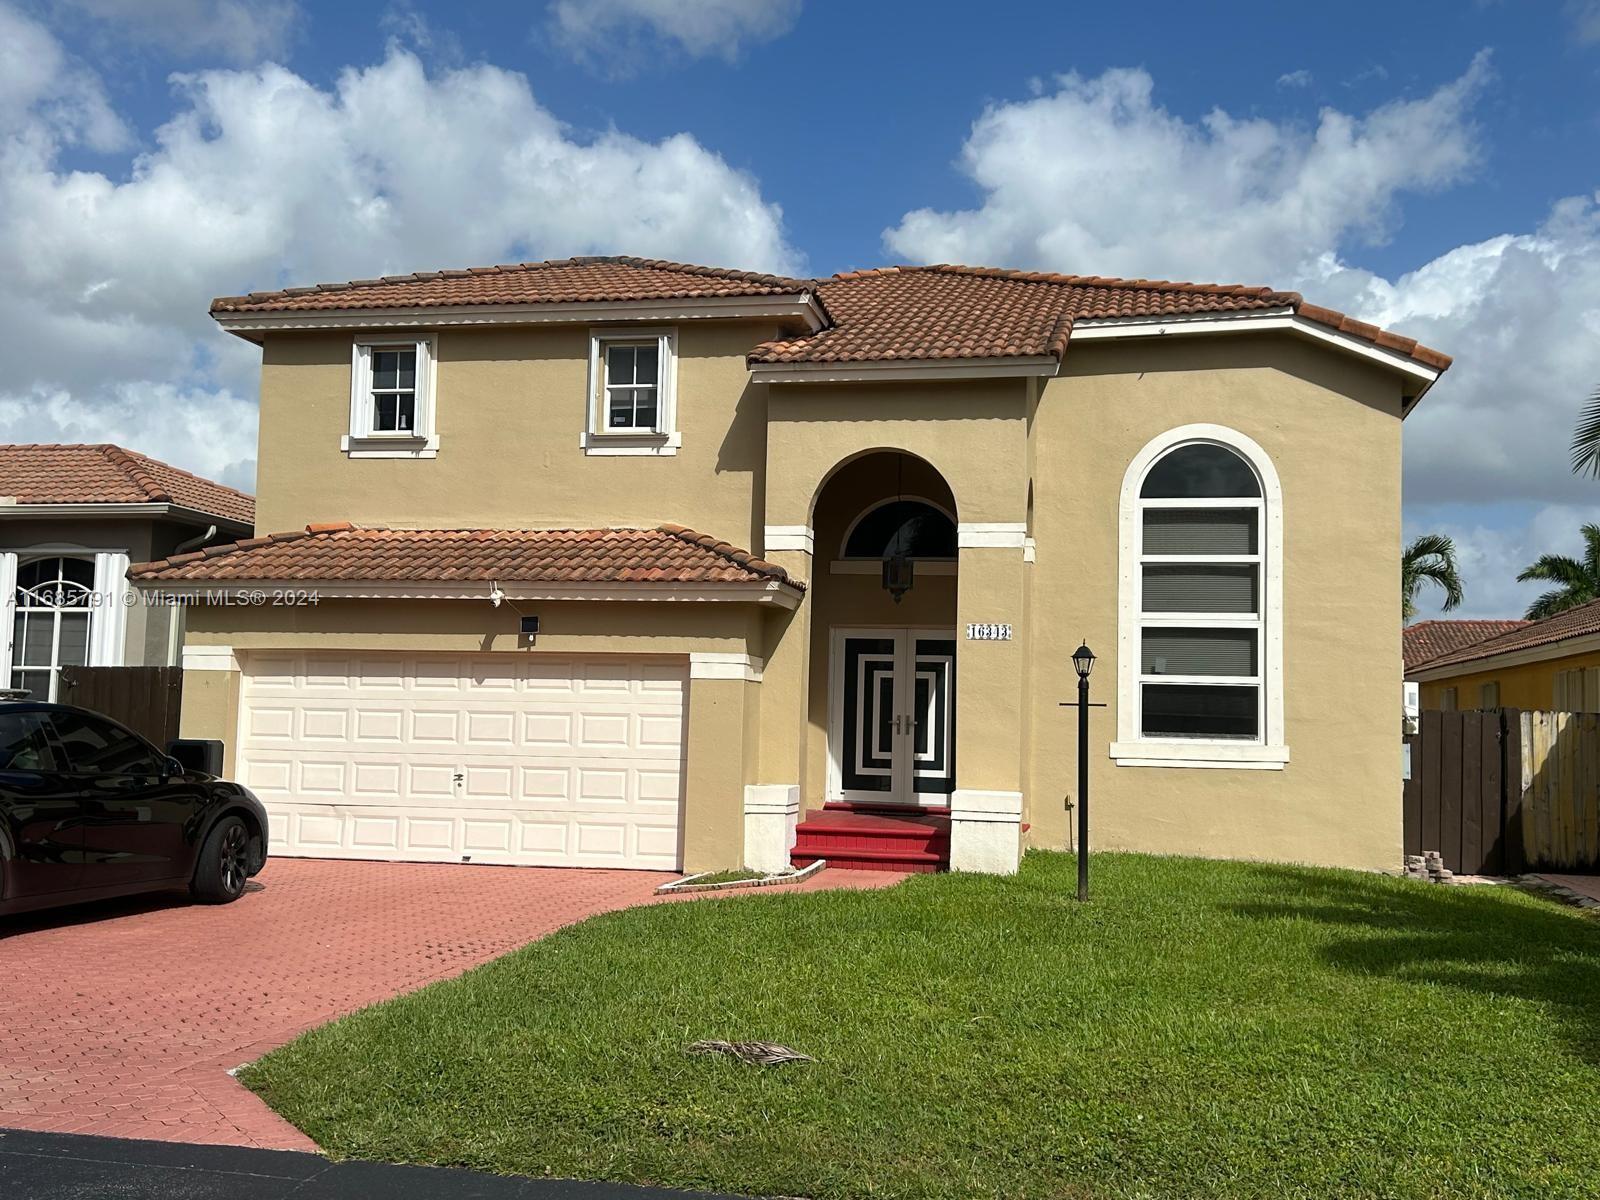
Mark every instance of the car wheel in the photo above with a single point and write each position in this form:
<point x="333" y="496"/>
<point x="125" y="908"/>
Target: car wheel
<point x="224" y="863"/>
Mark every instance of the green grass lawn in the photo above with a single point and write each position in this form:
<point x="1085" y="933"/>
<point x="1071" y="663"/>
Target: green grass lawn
<point x="1200" y="1029"/>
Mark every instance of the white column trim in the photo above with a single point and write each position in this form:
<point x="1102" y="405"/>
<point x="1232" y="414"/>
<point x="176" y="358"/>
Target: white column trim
<point x="8" y="605"/>
<point x="210" y="658"/>
<point x="787" y="537"/>
<point x="721" y="665"/>
<point x="1003" y="535"/>
<point x="108" y="623"/>
<point x="771" y="814"/>
<point x="985" y="831"/>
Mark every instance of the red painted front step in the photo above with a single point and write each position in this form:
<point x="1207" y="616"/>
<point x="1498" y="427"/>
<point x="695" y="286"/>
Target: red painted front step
<point x="910" y="840"/>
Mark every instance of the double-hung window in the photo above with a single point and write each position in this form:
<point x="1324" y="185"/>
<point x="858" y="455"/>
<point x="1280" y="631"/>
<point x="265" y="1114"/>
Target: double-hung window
<point x="632" y="403"/>
<point x="1201" y="638"/>
<point x="391" y="399"/>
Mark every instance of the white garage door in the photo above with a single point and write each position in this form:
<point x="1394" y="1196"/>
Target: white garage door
<point x="499" y="758"/>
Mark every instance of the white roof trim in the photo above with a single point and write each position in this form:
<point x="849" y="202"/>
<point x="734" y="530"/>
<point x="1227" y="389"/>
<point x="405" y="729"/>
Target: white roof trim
<point x="1264" y="320"/>
<point x="154" y="508"/>
<point x="900" y="368"/>
<point x="1587" y="643"/>
<point x="243" y="591"/>
<point x="689" y="308"/>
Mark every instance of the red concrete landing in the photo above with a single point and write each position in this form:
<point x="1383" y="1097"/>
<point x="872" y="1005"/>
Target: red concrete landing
<point x="122" y="1019"/>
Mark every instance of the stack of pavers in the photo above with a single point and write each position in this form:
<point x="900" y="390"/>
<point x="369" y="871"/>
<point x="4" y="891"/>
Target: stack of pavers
<point x="1429" y="866"/>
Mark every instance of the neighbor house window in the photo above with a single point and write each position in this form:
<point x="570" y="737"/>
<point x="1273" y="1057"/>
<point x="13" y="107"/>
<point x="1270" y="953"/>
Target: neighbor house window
<point x="50" y="628"/>
<point x="391" y="399"/>
<point x="632" y="376"/>
<point x="1200" y="642"/>
<point x="1447" y="699"/>
<point x="1489" y="694"/>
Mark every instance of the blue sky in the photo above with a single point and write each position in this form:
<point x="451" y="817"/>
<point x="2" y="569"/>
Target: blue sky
<point x="1429" y="166"/>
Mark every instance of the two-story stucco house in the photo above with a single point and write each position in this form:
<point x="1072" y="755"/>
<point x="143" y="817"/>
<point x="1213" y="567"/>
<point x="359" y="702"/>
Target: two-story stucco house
<point x="620" y="562"/>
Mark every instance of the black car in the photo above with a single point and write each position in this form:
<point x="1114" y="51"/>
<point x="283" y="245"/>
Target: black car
<point x="89" y="809"/>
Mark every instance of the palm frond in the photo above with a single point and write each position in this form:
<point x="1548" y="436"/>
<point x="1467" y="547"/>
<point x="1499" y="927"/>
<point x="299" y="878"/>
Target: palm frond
<point x="1555" y="568"/>
<point x="1586" y="438"/>
<point x="1430" y="558"/>
<point x="1551" y="603"/>
<point x="1591" y="552"/>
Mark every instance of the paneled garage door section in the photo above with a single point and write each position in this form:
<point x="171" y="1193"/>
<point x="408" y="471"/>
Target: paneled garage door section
<point x="489" y="758"/>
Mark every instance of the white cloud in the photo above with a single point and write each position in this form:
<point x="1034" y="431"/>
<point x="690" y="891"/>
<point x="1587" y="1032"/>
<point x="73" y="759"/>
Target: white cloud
<point x="1490" y="555"/>
<point x="619" y="36"/>
<point x="240" y="31"/>
<point x="1097" y="177"/>
<point x="1295" y="79"/>
<point x="1584" y="17"/>
<point x="260" y="179"/>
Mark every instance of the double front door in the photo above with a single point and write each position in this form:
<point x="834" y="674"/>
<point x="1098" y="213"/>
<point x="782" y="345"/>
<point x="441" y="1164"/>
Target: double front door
<point x="893" y="730"/>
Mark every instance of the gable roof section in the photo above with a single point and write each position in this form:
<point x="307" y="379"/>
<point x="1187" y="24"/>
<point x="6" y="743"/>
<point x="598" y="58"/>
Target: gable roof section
<point x="954" y="312"/>
<point x="342" y="553"/>
<point x="1428" y="640"/>
<point x="107" y="474"/>
<point x="1583" y="621"/>
<point x="591" y="279"/>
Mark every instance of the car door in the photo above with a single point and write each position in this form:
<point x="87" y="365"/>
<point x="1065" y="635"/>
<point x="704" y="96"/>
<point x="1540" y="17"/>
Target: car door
<point x="137" y="818"/>
<point x="41" y="828"/>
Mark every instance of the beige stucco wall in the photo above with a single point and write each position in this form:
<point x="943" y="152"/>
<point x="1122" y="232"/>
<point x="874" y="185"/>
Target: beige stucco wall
<point x="1522" y="685"/>
<point x="1330" y="424"/>
<point x="511" y="407"/>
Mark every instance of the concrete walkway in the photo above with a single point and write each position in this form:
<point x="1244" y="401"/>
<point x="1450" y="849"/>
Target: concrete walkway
<point x="123" y="1019"/>
<point x="1583" y="885"/>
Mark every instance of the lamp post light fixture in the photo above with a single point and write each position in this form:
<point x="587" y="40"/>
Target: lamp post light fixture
<point x="1083" y="664"/>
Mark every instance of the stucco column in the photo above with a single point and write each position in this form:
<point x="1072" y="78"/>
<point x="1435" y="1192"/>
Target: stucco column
<point x="210" y="708"/>
<point x="716" y="770"/>
<point x="986" y="807"/>
<point x="772" y="802"/>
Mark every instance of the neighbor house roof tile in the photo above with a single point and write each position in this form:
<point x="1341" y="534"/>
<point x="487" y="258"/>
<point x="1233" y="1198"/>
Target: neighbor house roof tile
<point x="1428" y="640"/>
<point x="339" y="552"/>
<point x="1528" y="635"/>
<point x="107" y="474"/>
<point x="559" y="281"/>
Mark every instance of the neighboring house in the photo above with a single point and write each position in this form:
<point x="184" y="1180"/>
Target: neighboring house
<point x="71" y="520"/>
<point x="1550" y="664"/>
<point x="701" y="484"/>
<point x="1427" y="640"/>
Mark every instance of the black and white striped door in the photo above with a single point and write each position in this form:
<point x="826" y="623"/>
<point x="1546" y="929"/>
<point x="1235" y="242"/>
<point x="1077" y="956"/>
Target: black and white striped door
<point x="894" y="715"/>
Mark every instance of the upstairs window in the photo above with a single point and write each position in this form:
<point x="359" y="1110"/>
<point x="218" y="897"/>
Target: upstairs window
<point x="391" y="399"/>
<point x="1201" y="641"/>
<point x="632" y="392"/>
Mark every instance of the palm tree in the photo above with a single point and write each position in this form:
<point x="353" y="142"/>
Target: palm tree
<point x="1580" y="581"/>
<point x="1429" y="559"/>
<point x="1586" y="438"/>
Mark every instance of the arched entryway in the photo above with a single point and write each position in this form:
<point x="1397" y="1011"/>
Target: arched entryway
<point x="883" y="647"/>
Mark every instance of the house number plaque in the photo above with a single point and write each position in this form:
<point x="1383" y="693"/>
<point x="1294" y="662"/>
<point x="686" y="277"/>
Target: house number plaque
<point x="980" y="631"/>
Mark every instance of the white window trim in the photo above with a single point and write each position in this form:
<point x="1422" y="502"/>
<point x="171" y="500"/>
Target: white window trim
<point x="1270" y="752"/>
<point x="665" y="439"/>
<point x="361" y="441"/>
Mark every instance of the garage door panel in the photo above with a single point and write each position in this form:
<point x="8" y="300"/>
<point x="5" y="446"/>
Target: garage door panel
<point x="539" y="760"/>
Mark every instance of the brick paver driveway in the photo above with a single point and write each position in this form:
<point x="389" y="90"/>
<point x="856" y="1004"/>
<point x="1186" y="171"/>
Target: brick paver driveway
<point x="124" y="1019"/>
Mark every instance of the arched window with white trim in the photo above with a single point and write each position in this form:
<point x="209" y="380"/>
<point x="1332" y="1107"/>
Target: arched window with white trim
<point x="51" y="622"/>
<point x="1200" y="671"/>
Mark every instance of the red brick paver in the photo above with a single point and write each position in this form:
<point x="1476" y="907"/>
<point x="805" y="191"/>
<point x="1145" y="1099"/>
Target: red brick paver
<point x="123" y="1020"/>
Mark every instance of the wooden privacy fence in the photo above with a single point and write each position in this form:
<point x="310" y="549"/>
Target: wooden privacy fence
<point x="1503" y="791"/>
<point x="145" y="699"/>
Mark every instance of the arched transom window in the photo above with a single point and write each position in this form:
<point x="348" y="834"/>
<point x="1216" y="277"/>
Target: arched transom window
<point x="51" y="629"/>
<point x="908" y="526"/>
<point x="1200" y="676"/>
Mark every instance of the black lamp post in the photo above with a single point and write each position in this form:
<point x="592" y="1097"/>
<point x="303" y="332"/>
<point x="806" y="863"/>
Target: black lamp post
<point x="1083" y="663"/>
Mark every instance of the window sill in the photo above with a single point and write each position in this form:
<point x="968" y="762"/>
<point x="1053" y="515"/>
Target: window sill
<point x="661" y="445"/>
<point x="382" y="446"/>
<point x="1186" y="753"/>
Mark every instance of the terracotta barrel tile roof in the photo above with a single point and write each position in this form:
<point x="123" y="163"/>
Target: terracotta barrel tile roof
<point x="568" y="280"/>
<point x="106" y="474"/>
<point x="948" y="311"/>
<point x="1428" y="640"/>
<point x="1527" y="635"/>
<point x="338" y="552"/>
<point x="886" y="314"/>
